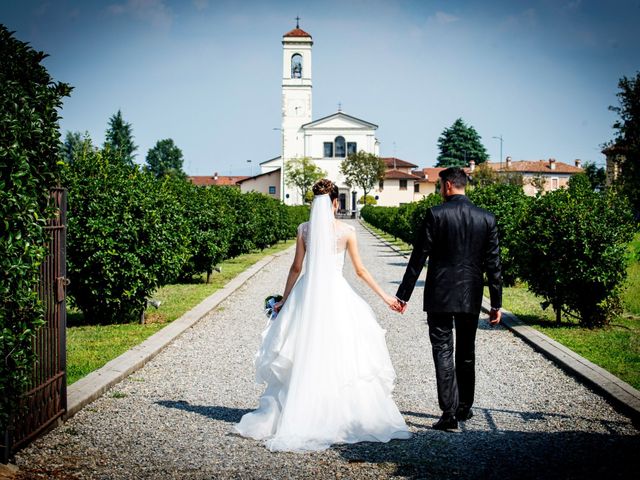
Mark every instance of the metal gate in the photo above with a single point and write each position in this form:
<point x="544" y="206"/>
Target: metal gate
<point x="46" y="398"/>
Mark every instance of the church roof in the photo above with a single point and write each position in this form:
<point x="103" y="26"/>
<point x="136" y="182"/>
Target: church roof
<point x="297" y="32"/>
<point x="392" y="162"/>
<point x="339" y="114"/>
<point x="398" y="175"/>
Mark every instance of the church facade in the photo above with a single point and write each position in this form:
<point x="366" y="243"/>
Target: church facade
<point x="326" y="141"/>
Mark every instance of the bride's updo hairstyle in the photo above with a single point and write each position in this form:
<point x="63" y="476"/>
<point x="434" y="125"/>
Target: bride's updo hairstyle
<point x="325" y="186"/>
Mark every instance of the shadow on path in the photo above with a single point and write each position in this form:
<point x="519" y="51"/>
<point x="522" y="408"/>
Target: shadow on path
<point x="225" y="414"/>
<point x="500" y="453"/>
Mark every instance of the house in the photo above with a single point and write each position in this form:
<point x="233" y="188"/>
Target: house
<point x="399" y="183"/>
<point x="267" y="183"/>
<point x="428" y="183"/>
<point x="547" y="175"/>
<point x="215" y="179"/>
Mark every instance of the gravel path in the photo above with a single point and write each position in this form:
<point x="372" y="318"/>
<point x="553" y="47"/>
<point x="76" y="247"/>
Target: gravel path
<point x="173" y="418"/>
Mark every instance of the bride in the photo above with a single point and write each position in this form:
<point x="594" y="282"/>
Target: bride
<point x="324" y="359"/>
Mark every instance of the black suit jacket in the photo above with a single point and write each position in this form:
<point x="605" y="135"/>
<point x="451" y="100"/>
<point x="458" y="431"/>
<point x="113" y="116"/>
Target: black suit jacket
<point x="461" y="241"/>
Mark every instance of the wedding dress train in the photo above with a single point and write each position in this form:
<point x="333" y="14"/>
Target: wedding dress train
<point x="324" y="358"/>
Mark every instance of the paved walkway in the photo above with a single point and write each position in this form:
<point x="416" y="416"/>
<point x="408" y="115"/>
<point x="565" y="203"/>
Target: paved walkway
<point x="173" y="418"/>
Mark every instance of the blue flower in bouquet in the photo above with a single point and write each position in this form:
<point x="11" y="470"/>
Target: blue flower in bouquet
<point x="269" y="303"/>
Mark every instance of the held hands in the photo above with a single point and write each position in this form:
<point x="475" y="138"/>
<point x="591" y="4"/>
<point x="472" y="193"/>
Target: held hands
<point x="278" y="306"/>
<point x="397" y="305"/>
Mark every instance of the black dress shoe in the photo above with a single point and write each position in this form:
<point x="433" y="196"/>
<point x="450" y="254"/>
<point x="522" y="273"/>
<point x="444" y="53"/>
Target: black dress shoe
<point x="446" y="422"/>
<point x="464" y="414"/>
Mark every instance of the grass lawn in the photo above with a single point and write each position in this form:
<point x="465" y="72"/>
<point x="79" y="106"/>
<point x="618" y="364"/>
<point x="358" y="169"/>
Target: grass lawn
<point x="616" y="348"/>
<point x="89" y="347"/>
<point x="396" y="242"/>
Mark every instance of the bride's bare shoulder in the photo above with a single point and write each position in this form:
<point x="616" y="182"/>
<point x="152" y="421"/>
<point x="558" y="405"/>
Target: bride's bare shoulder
<point x="345" y="228"/>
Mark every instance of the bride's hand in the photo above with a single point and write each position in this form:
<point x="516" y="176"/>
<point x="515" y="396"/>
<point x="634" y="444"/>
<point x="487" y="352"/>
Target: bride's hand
<point x="389" y="300"/>
<point x="278" y="306"/>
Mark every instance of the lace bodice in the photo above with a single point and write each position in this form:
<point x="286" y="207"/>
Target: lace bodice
<point x="343" y="230"/>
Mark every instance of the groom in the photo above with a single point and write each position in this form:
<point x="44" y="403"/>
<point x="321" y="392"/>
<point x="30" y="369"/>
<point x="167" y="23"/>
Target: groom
<point x="461" y="241"/>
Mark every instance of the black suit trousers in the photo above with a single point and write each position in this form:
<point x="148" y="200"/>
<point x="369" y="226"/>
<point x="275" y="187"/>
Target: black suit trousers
<point x="455" y="381"/>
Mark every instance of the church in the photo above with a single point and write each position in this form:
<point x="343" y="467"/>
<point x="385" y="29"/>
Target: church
<point x="326" y="141"/>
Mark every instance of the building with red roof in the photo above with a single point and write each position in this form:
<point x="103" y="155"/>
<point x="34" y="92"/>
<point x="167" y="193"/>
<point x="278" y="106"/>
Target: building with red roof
<point x="215" y="179"/>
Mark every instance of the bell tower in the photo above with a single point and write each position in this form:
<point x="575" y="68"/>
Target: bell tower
<point x="296" y="98"/>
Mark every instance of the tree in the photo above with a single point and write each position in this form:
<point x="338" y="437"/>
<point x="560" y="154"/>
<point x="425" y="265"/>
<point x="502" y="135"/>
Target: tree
<point x="302" y="173"/>
<point x="119" y="139"/>
<point x="30" y="102"/>
<point x="75" y="144"/>
<point x="597" y="176"/>
<point x="459" y="144"/>
<point x="127" y="236"/>
<point x="165" y="158"/>
<point x="484" y="175"/>
<point x="538" y="181"/>
<point x="364" y="170"/>
<point x="508" y="203"/>
<point x="628" y="137"/>
<point x="573" y="250"/>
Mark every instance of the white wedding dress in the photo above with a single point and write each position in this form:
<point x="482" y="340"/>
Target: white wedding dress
<point x="324" y="358"/>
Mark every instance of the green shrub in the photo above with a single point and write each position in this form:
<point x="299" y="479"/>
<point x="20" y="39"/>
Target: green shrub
<point x="29" y="146"/>
<point x="210" y="221"/>
<point x="127" y="236"/>
<point x="379" y="217"/>
<point x="572" y="250"/>
<point x="509" y="204"/>
<point x="420" y="211"/>
<point x="369" y="200"/>
<point x="297" y="214"/>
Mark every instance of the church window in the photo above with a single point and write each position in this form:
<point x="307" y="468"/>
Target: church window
<point x="352" y="147"/>
<point x="272" y="190"/>
<point x="296" y="66"/>
<point x="403" y="184"/>
<point x="340" y="150"/>
<point x="416" y="187"/>
<point x="328" y="149"/>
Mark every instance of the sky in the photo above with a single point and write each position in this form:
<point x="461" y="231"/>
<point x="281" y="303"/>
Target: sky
<point x="541" y="74"/>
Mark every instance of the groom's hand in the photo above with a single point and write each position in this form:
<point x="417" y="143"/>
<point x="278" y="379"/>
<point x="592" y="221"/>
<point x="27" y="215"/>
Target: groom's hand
<point x="494" y="316"/>
<point x="399" y="306"/>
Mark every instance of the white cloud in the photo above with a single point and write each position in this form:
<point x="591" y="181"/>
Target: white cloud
<point x="443" y="17"/>
<point x="573" y="5"/>
<point x="201" y="4"/>
<point x="154" y="12"/>
<point x="527" y="18"/>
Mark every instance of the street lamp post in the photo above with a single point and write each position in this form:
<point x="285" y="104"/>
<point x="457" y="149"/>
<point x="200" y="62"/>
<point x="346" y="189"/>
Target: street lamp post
<point x="499" y="138"/>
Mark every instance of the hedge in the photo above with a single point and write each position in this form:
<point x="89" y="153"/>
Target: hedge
<point x="126" y="237"/>
<point x="572" y="247"/>
<point x="568" y="245"/>
<point x="130" y="232"/>
<point x="29" y="142"/>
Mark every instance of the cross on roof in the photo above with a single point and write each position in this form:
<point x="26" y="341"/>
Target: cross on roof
<point x="339" y="106"/>
<point x="298" y="22"/>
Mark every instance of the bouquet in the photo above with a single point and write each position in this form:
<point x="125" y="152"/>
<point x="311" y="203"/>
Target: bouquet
<point x="269" y="303"/>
